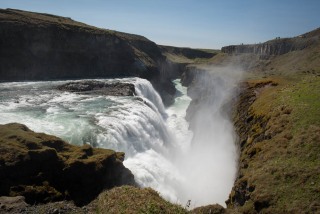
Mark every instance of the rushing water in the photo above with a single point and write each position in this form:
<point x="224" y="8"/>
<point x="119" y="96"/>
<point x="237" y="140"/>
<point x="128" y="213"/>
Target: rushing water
<point x="156" y="140"/>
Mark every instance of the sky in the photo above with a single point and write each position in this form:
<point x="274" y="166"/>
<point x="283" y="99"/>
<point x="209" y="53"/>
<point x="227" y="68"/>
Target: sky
<point x="208" y="24"/>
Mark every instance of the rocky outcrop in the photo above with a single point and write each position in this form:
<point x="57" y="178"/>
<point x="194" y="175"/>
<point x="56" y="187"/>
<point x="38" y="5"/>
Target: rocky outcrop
<point x="44" y="168"/>
<point x="277" y="46"/>
<point x="99" y="87"/>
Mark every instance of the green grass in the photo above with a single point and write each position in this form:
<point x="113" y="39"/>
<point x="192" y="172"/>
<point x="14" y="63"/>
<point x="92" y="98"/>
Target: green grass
<point x="304" y="97"/>
<point x="209" y="50"/>
<point x="285" y="168"/>
<point x="128" y="199"/>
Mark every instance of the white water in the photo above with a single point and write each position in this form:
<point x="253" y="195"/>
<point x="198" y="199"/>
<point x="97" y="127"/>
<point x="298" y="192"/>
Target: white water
<point x="156" y="140"/>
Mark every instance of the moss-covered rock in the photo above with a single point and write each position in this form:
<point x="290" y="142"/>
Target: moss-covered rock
<point x="44" y="168"/>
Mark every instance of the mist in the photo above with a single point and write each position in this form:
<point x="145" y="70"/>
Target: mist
<point x="197" y="164"/>
<point x="209" y="164"/>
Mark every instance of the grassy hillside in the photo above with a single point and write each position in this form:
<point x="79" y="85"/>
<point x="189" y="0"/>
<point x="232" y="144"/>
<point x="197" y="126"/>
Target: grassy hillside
<point x="188" y="55"/>
<point x="278" y="121"/>
<point x="280" y="140"/>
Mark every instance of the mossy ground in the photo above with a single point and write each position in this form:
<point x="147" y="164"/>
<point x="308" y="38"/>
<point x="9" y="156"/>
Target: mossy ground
<point x="128" y="199"/>
<point x="282" y="149"/>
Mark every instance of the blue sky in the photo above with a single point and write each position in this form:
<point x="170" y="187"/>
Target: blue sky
<point x="188" y="23"/>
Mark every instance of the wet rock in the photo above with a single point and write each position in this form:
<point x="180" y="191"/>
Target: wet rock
<point x="99" y="87"/>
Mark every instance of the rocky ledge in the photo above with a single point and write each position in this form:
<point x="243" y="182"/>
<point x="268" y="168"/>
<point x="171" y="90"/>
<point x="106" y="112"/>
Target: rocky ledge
<point x="44" y="168"/>
<point x="99" y="87"/>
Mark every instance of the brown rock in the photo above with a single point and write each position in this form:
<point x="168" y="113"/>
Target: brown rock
<point x="99" y="87"/>
<point x="12" y="204"/>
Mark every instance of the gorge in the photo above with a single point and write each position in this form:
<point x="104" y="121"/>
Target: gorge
<point x="160" y="150"/>
<point x="237" y="127"/>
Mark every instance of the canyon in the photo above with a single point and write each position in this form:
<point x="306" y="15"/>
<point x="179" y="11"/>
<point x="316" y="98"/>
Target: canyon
<point x="274" y="109"/>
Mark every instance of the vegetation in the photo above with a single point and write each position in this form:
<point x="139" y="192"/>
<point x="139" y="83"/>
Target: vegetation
<point x="280" y="139"/>
<point x="128" y="199"/>
<point x="188" y="55"/>
<point x="277" y="118"/>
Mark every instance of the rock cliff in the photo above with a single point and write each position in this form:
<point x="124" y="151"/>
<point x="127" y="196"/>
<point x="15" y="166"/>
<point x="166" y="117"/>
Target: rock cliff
<point x="277" y="46"/>
<point x="36" y="46"/>
<point x="44" y="168"/>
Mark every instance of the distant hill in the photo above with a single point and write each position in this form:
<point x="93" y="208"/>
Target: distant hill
<point x="277" y="46"/>
<point x="187" y="55"/>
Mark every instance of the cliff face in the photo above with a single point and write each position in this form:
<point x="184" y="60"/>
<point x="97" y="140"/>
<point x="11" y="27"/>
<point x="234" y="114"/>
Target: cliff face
<point x="277" y="46"/>
<point x="37" y="46"/>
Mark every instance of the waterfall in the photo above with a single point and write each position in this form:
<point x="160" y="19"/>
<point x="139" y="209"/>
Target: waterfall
<point x="156" y="141"/>
<point x="145" y="89"/>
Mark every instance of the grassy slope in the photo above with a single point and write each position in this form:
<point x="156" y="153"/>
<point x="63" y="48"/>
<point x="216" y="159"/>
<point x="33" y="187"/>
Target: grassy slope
<point x="282" y="148"/>
<point x="284" y="167"/>
<point x="128" y="199"/>
<point x="188" y="55"/>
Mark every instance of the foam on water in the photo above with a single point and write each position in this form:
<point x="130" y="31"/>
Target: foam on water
<point x="156" y="140"/>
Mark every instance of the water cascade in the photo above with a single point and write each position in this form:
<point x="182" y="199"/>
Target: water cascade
<point x="160" y="150"/>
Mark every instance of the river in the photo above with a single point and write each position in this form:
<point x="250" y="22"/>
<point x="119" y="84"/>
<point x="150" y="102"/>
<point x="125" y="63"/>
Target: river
<point x="156" y="141"/>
